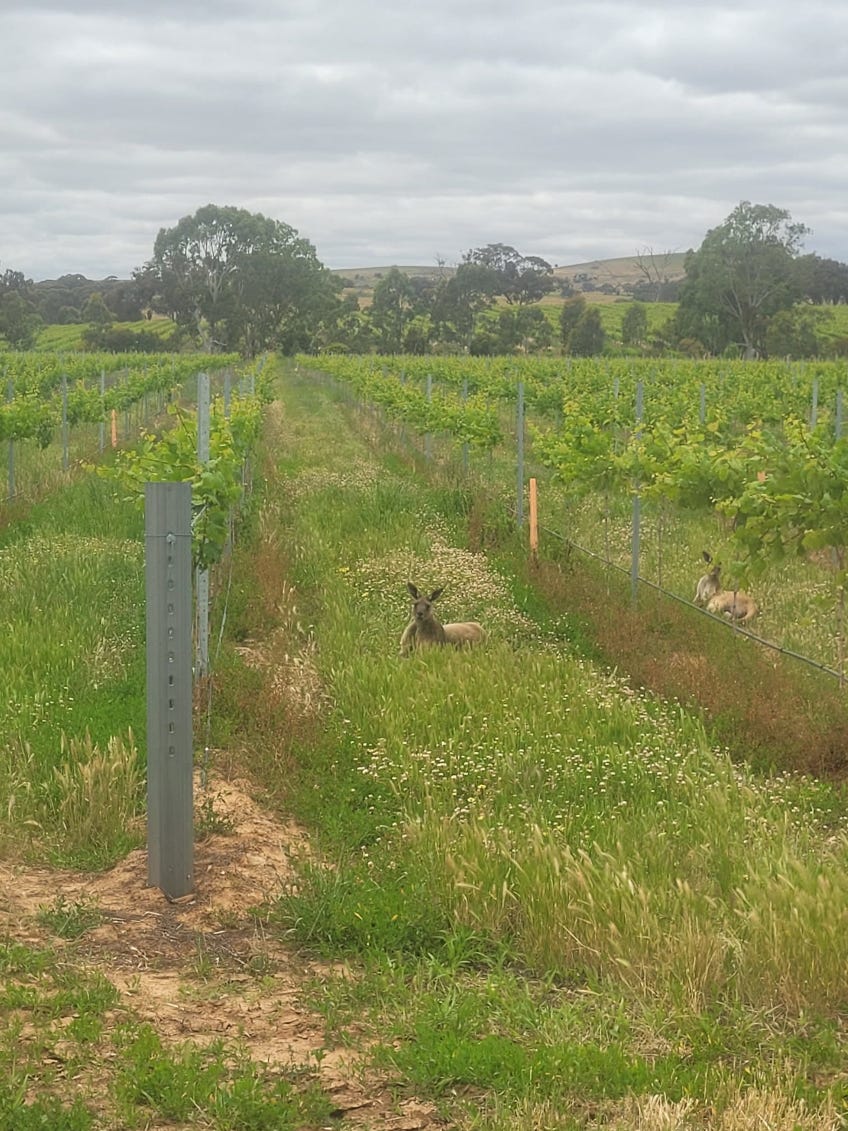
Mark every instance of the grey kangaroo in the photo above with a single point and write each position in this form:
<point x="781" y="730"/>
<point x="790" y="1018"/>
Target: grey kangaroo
<point x="426" y="630"/>
<point x="732" y="603"/>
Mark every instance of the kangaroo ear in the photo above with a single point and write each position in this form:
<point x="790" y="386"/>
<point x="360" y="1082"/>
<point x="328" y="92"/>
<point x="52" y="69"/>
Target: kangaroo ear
<point x="707" y="557"/>
<point x="436" y="594"/>
<point x="413" y="592"/>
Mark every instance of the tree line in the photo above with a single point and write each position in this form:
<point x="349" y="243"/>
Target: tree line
<point x="232" y="280"/>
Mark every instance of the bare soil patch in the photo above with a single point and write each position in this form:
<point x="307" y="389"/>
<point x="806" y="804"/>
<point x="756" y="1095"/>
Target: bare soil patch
<point x="206" y="969"/>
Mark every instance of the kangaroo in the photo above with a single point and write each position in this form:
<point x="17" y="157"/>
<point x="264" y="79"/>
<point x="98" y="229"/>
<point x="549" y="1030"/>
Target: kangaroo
<point x="709" y="584"/>
<point x="734" y="604"/>
<point x="426" y="630"/>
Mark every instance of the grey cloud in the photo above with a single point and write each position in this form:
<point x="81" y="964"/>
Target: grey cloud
<point x="398" y="133"/>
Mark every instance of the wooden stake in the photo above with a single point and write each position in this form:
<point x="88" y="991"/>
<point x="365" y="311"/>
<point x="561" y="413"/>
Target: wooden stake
<point x="114" y="428"/>
<point x="534" y="520"/>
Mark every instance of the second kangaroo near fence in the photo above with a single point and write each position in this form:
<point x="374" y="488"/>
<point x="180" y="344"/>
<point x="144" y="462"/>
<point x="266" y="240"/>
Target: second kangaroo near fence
<point x="732" y="603"/>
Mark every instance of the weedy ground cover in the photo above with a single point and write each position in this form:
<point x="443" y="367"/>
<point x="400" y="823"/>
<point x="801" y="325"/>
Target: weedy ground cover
<point x="72" y="667"/>
<point x="73" y="1055"/>
<point x="561" y="896"/>
<point x="62" y="1022"/>
<point x="554" y="901"/>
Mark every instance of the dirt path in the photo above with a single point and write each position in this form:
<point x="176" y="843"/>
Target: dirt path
<point x="206" y="969"/>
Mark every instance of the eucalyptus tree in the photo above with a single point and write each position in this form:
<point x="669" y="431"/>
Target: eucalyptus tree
<point x="572" y="311"/>
<point x="392" y="309"/>
<point x="520" y="279"/>
<point x="19" y="318"/>
<point x="743" y="273"/>
<point x="588" y="337"/>
<point x="460" y="299"/>
<point x="634" y="325"/>
<point x="239" y="280"/>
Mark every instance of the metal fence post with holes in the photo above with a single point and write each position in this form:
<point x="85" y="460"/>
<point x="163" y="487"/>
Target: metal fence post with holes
<point x="519" y="437"/>
<point x="10" y="396"/>
<point x="637" y="507"/>
<point x="202" y="578"/>
<point x="170" y="840"/>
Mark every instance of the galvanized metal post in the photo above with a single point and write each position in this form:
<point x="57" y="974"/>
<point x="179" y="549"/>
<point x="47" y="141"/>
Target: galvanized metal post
<point x="10" y="396"/>
<point x="838" y="424"/>
<point x="428" y="438"/>
<point x="102" y="436"/>
<point x="519" y="438"/>
<point x="170" y="841"/>
<point x="202" y="579"/>
<point x="465" y="446"/>
<point x="637" y="508"/>
<point x="702" y="408"/>
<point x="65" y="459"/>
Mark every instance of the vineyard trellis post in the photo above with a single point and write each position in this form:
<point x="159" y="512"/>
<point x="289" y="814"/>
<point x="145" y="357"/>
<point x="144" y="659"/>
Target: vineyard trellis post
<point x="228" y="373"/>
<point x="170" y="846"/>
<point x="637" y="507"/>
<point x="428" y="437"/>
<point x="102" y="429"/>
<point x="10" y="396"/>
<point x="838" y="420"/>
<point x="534" y="522"/>
<point x="519" y="436"/>
<point x="202" y="577"/>
<point x="814" y="405"/>
<point x="65" y="427"/>
<point x="465" y="446"/>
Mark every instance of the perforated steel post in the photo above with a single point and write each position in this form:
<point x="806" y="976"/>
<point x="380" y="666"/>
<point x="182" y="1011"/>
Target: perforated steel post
<point x="10" y="396"/>
<point x="170" y="840"/>
<point x="202" y="575"/>
<point x="101" y="445"/>
<point x="519" y="439"/>
<point x="637" y="507"/>
<point x="428" y="436"/>
<point x="65" y="426"/>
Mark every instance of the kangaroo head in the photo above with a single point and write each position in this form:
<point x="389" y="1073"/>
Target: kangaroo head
<point x="715" y="567"/>
<point x="422" y="607"/>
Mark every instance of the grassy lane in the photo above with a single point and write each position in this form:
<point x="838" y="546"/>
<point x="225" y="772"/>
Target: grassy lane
<point x="565" y="908"/>
<point x="72" y="668"/>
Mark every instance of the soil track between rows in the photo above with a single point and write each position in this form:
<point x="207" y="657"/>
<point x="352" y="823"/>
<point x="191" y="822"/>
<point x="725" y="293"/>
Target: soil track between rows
<point x="207" y="969"/>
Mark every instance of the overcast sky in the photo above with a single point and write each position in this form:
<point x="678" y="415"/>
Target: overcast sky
<point x="409" y="132"/>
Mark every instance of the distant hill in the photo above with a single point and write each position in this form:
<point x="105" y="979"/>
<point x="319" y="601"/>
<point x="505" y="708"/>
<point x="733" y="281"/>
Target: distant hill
<point x="366" y="278"/>
<point x="597" y="276"/>
<point x="627" y="271"/>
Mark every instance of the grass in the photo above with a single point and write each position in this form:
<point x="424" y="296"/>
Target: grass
<point x="70" y="336"/>
<point x="72" y="665"/>
<point x="69" y="920"/>
<point x="64" y="1023"/>
<point x="551" y="898"/>
<point x="518" y="823"/>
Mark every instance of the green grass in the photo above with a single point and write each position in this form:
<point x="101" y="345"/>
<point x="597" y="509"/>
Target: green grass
<point x="516" y="816"/>
<point x="553" y="898"/>
<point x="72" y="666"/>
<point x="69" y="920"/>
<point x="192" y="1083"/>
<point x="70" y="337"/>
<point x="64" y="1033"/>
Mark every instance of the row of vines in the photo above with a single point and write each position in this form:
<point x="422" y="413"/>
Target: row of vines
<point x="43" y="391"/>
<point x="46" y="391"/>
<point x="753" y="450"/>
